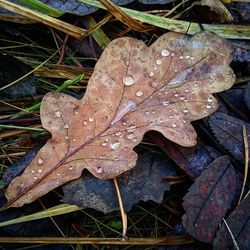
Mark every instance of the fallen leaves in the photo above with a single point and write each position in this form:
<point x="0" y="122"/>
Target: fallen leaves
<point x="134" y="89"/>
<point x="209" y="198"/>
<point x="143" y="183"/>
<point x="228" y="131"/>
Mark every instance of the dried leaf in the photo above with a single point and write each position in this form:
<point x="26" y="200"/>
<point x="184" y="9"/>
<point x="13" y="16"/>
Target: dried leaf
<point x="134" y="89"/>
<point x="239" y="224"/>
<point x="142" y="183"/>
<point x="191" y="160"/>
<point x="209" y="198"/>
<point x="228" y="132"/>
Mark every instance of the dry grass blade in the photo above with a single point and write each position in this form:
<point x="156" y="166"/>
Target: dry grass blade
<point x="17" y="19"/>
<point x="231" y="234"/>
<point x="123" y="17"/>
<point x="246" y="162"/>
<point x="123" y="213"/>
<point x="169" y="240"/>
<point x="50" y="21"/>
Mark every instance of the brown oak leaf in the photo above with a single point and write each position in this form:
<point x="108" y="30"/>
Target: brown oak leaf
<point x="134" y="89"/>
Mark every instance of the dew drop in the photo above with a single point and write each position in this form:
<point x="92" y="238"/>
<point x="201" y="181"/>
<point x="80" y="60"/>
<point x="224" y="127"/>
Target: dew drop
<point x="35" y="177"/>
<point x="209" y="99"/>
<point x="182" y="98"/>
<point x="66" y="126"/>
<point x="99" y="170"/>
<point x="74" y="139"/>
<point x="58" y="113"/>
<point x="128" y="80"/>
<point x="76" y="112"/>
<point x="91" y="119"/>
<point x="158" y="61"/>
<point x="185" y="111"/>
<point x="118" y="133"/>
<point x="147" y="113"/>
<point x="176" y="95"/>
<point x="58" y="174"/>
<point x="32" y="172"/>
<point x="131" y="128"/>
<point x="186" y="90"/>
<point x="39" y="171"/>
<point x="175" y="70"/>
<point x="174" y="125"/>
<point x="184" y="121"/>
<point x="165" y="52"/>
<point x="124" y="123"/>
<point x="208" y="106"/>
<point x="171" y="116"/>
<point x="196" y="84"/>
<point x="181" y="57"/>
<point x="85" y="123"/>
<point x="131" y="136"/>
<point x="66" y="137"/>
<point x="115" y="145"/>
<point x="70" y="167"/>
<point x="187" y="57"/>
<point x="40" y="161"/>
<point x="139" y="93"/>
<point x="104" y="143"/>
<point x="151" y="74"/>
<point x="165" y="102"/>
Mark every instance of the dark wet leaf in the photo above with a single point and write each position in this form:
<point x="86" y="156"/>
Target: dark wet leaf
<point x="18" y="167"/>
<point x="209" y="198"/>
<point x="228" y="132"/>
<point x="191" y="160"/>
<point x="143" y="183"/>
<point x="10" y="70"/>
<point x="239" y="224"/>
<point x="234" y="99"/>
<point x="241" y="51"/>
<point x="247" y="96"/>
<point x="212" y="10"/>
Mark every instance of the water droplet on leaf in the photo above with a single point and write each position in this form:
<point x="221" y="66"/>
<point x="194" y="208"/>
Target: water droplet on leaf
<point x="128" y="80"/>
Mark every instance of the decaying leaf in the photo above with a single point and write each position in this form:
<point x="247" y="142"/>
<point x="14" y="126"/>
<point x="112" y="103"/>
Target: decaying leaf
<point x="191" y="160"/>
<point x="228" y="131"/>
<point x="239" y="225"/>
<point x="209" y="198"/>
<point x="143" y="183"/>
<point x="134" y="89"/>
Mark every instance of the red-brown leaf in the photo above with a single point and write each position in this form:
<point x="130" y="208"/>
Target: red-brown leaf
<point x="209" y="198"/>
<point x="134" y="89"/>
<point x="239" y="225"/>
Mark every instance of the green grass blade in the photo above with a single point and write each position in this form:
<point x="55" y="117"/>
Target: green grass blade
<point x="53" y="211"/>
<point x="224" y="30"/>
<point x="42" y="7"/>
<point x="21" y="127"/>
